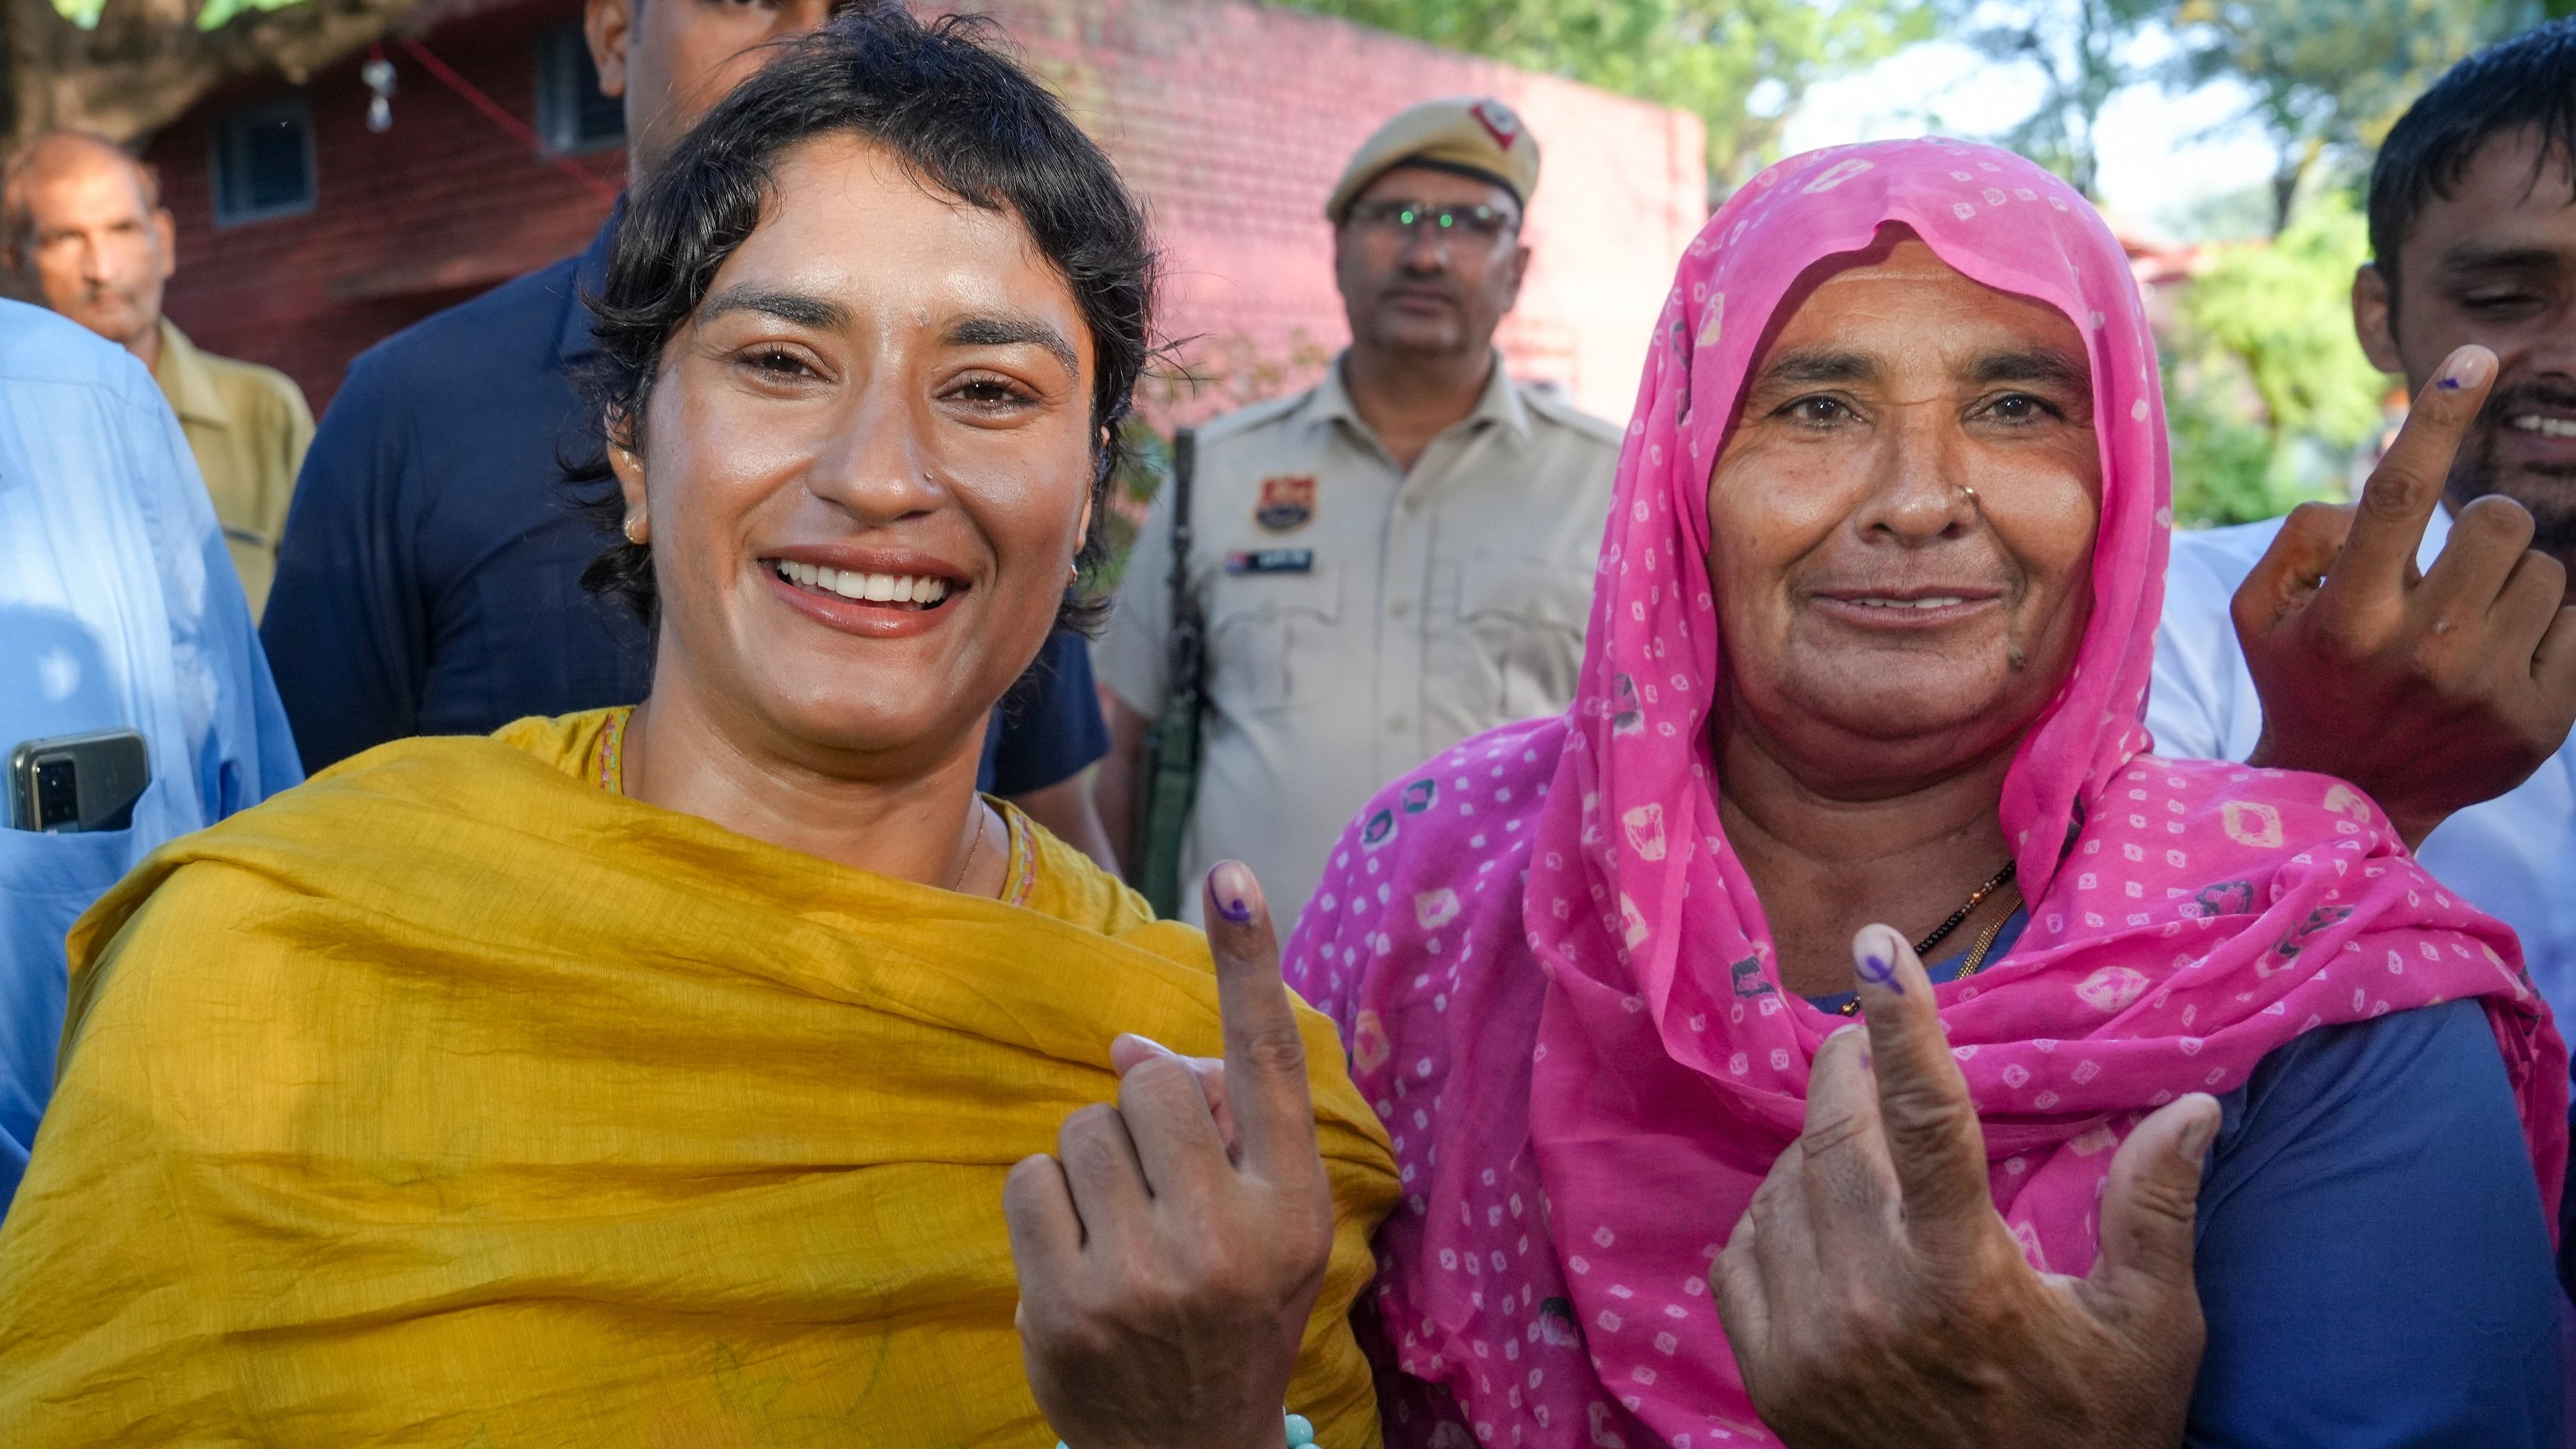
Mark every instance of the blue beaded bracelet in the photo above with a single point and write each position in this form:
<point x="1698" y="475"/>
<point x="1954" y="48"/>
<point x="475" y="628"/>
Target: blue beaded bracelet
<point x="1301" y="1434"/>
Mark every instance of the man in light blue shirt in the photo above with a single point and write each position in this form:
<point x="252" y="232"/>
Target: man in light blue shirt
<point x="119" y="609"/>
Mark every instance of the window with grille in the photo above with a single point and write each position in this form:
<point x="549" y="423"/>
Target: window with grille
<point x="572" y="115"/>
<point x="263" y="161"/>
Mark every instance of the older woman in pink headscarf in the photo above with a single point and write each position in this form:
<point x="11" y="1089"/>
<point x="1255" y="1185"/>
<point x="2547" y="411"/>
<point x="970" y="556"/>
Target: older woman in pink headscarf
<point x="1869" y="644"/>
<point x="2201" y="1050"/>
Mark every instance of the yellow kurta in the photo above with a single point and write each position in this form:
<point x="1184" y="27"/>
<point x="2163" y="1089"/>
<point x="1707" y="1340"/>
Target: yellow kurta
<point x="452" y="1100"/>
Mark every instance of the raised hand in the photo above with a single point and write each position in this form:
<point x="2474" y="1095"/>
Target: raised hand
<point x="1873" y="1295"/>
<point x="2431" y="692"/>
<point x="1170" y="1251"/>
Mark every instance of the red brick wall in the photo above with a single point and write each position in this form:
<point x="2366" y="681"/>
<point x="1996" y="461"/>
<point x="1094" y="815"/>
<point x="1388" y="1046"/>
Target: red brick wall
<point x="440" y="207"/>
<point x="1231" y="118"/>
<point x="1235" y="119"/>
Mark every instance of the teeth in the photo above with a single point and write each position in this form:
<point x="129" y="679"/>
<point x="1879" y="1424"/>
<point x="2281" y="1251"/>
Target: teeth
<point x="1938" y="602"/>
<point x="874" y="588"/>
<point x="2546" y="427"/>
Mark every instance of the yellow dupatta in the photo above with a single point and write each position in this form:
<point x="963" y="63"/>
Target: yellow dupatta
<point x="449" y="1099"/>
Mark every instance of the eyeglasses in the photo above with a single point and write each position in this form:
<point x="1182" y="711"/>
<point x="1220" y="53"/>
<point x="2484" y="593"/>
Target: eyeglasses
<point x="1409" y="219"/>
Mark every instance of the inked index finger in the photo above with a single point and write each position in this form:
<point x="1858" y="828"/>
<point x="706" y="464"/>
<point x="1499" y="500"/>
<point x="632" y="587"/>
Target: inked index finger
<point x="1265" y="1055"/>
<point x="2403" y="491"/>
<point x="1933" y="1140"/>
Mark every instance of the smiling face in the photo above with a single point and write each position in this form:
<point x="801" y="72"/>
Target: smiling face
<point x="866" y="464"/>
<point x="2494" y="262"/>
<point x="1881" y="624"/>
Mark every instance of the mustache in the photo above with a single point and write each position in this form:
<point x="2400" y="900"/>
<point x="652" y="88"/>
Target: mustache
<point x="1438" y="284"/>
<point x="2526" y="395"/>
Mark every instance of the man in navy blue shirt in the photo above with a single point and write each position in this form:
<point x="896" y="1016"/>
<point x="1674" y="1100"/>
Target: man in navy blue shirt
<point x="429" y="581"/>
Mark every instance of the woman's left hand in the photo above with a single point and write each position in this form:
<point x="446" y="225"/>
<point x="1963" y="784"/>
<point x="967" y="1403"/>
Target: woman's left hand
<point x="1874" y="1296"/>
<point x="1170" y="1252"/>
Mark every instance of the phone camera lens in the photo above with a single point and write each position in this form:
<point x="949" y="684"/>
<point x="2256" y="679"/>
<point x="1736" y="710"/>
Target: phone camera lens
<point x="57" y="793"/>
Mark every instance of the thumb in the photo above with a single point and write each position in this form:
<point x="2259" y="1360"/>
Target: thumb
<point x="2151" y="1206"/>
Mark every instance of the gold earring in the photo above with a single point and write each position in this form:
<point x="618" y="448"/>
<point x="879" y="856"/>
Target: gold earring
<point x="636" y="529"/>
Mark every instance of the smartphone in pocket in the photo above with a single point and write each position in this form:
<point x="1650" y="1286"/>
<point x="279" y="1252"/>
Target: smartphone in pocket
<point x="78" y="782"/>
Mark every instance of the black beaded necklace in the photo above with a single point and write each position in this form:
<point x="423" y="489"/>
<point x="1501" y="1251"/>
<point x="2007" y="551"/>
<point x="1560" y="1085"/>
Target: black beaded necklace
<point x="1976" y="898"/>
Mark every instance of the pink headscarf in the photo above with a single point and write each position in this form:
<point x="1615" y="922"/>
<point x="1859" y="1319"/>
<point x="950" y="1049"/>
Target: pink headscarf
<point x="1556" y="979"/>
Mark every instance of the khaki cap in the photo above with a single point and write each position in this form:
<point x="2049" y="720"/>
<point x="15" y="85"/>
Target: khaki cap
<point x="1475" y="134"/>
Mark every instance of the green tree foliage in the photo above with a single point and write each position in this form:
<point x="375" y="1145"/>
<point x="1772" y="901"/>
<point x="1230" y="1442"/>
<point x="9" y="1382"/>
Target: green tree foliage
<point x="2269" y="396"/>
<point x="1737" y="64"/>
<point x="2082" y="50"/>
<point x="2329" y="77"/>
<point x="2286" y="309"/>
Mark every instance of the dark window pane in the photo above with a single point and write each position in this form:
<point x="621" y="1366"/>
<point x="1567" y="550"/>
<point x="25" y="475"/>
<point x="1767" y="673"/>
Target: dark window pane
<point x="263" y="161"/>
<point x="572" y="115"/>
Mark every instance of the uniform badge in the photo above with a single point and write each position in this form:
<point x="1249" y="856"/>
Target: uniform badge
<point x="1498" y="121"/>
<point x="1287" y="503"/>
<point x="1271" y="561"/>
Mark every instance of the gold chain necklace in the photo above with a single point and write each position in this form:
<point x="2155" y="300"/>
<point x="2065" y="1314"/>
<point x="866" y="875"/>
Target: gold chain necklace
<point x="974" y="848"/>
<point x="1985" y="943"/>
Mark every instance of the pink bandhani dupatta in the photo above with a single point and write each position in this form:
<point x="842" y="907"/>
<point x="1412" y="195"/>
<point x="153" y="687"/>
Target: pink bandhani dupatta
<point x="1556" y="981"/>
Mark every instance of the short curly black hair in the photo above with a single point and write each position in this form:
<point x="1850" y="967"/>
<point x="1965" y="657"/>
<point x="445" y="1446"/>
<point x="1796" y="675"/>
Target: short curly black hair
<point x="967" y="120"/>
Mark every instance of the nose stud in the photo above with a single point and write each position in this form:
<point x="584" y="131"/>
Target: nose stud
<point x="1969" y="494"/>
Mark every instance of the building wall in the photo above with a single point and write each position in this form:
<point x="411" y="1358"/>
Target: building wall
<point x="440" y="207"/>
<point x="1231" y="118"/>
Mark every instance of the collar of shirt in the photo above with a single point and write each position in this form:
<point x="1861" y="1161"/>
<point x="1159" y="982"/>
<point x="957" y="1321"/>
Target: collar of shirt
<point x="589" y="274"/>
<point x="1499" y="403"/>
<point x="183" y="379"/>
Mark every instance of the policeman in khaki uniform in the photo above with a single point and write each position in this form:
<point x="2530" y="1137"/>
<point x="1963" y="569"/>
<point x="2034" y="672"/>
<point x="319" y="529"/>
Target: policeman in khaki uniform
<point x="1393" y="560"/>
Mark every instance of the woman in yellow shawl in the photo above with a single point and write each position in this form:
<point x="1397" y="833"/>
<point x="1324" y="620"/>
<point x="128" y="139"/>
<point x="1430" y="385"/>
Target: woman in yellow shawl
<point x="652" y="1079"/>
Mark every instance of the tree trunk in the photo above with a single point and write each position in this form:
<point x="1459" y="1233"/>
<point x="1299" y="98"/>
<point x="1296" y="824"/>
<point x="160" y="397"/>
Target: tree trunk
<point x="2297" y="157"/>
<point x="146" y="62"/>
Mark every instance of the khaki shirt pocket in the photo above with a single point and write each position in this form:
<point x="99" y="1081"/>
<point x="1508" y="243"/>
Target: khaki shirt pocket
<point x="1513" y="644"/>
<point x="1270" y="639"/>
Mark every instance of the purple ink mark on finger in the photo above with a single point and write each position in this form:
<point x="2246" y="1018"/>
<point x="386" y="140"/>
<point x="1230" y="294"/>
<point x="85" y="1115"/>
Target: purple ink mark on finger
<point x="2448" y="384"/>
<point x="1237" y="910"/>
<point x="1881" y="973"/>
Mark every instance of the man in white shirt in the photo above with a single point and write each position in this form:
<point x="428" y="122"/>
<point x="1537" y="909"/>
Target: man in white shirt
<point x="2434" y="665"/>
